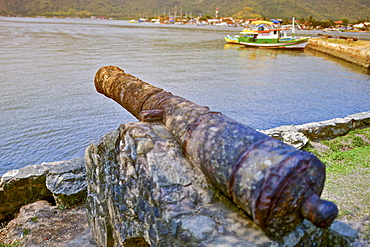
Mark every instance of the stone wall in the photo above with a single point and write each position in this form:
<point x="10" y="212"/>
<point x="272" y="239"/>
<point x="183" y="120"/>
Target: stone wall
<point x="298" y="135"/>
<point x="61" y="182"/>
<point x="142" y="191"/>
<point x="355" y="55"/>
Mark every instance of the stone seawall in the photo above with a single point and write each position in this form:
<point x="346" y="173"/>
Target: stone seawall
<point x="298" y="135"/>
<point x="357" y="55"/>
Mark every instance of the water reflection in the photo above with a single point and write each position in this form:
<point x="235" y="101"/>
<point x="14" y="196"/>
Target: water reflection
<point x="233" y="46"/>
<point x="254" y="53"/>
<point x="350" y="66"/>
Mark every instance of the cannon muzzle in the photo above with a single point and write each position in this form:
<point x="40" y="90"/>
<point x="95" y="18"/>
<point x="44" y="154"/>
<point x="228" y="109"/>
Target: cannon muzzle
<point x="276" y="184"/>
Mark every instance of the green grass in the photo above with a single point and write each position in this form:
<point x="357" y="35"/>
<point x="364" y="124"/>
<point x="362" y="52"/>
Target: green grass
<point x="26" y="231"/>
<point x="15" y="244"/>
<point x="347" y="161"/>
<point x="34" y="219"/>
<point x="346" y="154"/>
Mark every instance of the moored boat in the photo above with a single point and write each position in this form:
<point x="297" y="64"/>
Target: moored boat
<point x="232" y="39"/>
<point x="273" y="38"/>
<point x="235" y="39"/>
<point x="265" y="34"/>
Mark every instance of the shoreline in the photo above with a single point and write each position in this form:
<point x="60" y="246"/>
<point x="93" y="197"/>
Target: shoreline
<point x="312" y="33"/>
<point x="359" y="55"/>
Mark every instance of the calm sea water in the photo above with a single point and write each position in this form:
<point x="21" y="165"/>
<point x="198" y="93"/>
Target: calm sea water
<point x="50" y="111"/>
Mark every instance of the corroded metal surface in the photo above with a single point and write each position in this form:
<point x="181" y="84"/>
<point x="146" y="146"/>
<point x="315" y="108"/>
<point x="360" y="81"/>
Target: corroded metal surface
<point x="276" y="184"/>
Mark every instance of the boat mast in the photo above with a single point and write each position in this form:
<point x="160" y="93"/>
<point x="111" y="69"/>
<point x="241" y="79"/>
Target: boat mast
<point x="293" y="29"/>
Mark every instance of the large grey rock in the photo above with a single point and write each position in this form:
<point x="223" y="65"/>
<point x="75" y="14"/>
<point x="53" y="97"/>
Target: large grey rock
<point x="142" y="187"/>
<point x="142" y="190"/>
<point x="62" y="181"/>
<point x="345" y="230"/>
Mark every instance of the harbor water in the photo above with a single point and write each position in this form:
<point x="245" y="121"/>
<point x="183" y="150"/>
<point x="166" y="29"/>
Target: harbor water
<point x="50" y="111"/>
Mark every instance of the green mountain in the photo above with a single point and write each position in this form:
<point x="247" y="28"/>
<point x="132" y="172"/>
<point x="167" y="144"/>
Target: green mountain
<point x="128" y="9"/>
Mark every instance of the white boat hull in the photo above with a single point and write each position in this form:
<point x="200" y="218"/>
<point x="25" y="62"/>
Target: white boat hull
<point x="287" y="45"/>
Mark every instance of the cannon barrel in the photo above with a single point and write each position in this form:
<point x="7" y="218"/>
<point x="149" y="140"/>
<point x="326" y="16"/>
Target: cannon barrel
<point x="276" y="184"/>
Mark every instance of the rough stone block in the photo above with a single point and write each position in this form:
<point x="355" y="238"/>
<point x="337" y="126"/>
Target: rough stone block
<point x="288" y="134"/>
<point x="141" y="189"/>
<point x="63" y="180"/>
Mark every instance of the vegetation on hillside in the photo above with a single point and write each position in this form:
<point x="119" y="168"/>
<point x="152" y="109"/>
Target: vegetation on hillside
<point x="128" y="9"/>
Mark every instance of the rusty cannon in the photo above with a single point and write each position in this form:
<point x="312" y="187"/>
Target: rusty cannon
<point x="277" y="185"/>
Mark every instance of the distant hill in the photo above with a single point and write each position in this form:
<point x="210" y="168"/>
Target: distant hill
<point x="128" y="9"/>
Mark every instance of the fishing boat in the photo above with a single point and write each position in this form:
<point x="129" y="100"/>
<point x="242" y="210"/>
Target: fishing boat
<point x="232" y="39"/>
<point x="268" y="35"/>
<point x="247" y="32"/>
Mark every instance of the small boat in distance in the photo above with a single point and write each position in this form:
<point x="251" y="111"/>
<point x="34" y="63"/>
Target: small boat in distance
<point x="270" y="36"/>
<point x="232" y="39"/>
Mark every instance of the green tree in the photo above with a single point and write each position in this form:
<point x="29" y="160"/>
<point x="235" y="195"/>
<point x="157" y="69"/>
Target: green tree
<point x="326" y="24"/>
<point x="345" y="21"/>
<point x="311" y="22"/>
<point x="204" y="17"/>
<point x="72" y="12"/>
<point x="301" y="20"/>
<point x="361" y="20"/>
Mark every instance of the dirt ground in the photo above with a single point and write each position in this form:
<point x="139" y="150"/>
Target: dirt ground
<point x="41" y="224"/>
